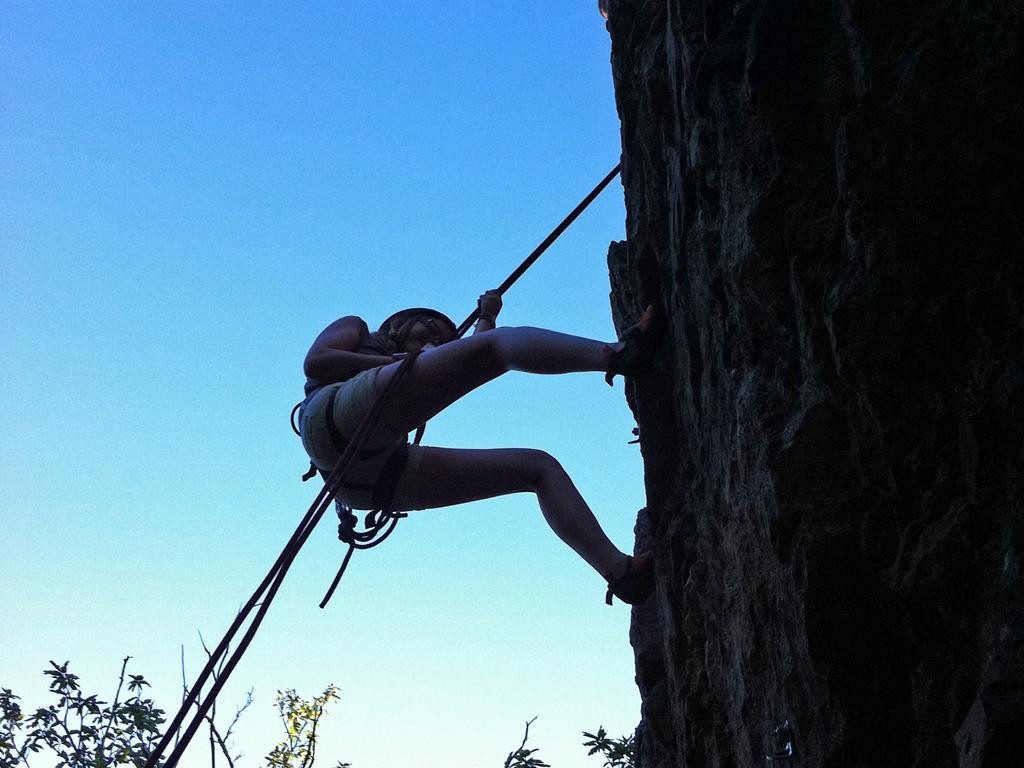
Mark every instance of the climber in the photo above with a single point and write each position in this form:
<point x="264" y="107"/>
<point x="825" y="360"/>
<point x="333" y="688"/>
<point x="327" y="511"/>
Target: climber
<point x="348" y="364"/>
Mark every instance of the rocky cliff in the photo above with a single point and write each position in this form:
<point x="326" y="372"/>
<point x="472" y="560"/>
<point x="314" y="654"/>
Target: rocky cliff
<point x="826" y="199"/>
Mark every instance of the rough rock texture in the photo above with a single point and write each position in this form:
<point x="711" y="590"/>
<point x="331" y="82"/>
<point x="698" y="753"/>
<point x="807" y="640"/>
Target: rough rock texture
<point x="826" y="198"/>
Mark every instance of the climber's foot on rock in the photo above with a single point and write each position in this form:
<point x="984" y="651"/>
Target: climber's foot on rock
<point x="636" y="352"/>
<point x="635" y="583"/>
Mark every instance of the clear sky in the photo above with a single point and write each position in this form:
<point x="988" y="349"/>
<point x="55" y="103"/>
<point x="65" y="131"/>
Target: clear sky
<point x="189" y="192"/>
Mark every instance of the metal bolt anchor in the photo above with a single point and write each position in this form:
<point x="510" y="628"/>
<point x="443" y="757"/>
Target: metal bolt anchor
<point x="783" y="745"/>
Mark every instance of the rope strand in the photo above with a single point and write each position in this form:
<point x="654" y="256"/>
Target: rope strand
<point x="529" y="260"/>
<point x="264" y="594"/>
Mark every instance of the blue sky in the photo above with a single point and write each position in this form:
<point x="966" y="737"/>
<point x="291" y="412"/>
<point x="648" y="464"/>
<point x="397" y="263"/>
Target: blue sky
<point x="190" y="192"/>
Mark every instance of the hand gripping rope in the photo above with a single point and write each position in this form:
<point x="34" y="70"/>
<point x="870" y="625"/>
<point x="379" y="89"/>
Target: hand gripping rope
<point x="377" y="522"/>
<point x="380" y="523"/>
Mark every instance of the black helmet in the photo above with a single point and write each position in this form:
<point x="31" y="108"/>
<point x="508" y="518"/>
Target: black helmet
<point x="396" y="327"/>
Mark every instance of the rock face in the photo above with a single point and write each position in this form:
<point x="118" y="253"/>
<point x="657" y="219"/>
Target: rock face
<point x="826" y="199"/>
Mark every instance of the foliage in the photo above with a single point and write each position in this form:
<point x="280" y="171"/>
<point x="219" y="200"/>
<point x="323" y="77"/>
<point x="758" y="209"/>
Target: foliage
<point x="523" y="757"/>
<point x="81" y="731"/>
<point x="300" y="718"/>
<point x="617" y="753"/>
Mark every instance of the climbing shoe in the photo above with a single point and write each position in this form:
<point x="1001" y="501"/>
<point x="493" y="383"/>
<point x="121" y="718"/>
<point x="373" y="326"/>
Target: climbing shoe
<point x="636" y="584"/>
<point x="639" y="347"/>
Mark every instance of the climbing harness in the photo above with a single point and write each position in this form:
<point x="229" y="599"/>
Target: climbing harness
<point x="378" y="525"/>
<point x="395" y="328"/>
<point x="261" y="599"/>
<point x="380" y="522"/>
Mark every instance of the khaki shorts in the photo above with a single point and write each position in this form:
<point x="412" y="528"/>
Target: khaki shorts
<point x="354" y="398"/>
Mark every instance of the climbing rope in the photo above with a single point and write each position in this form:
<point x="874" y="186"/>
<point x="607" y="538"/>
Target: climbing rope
<point x="521" y="269"/>
<point x="379" y="525"/>
<point x="384" y="520"/>
<point x="528" y="261"/>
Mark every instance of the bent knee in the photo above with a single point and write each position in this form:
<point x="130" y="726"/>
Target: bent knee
<point x="539" y="466"/>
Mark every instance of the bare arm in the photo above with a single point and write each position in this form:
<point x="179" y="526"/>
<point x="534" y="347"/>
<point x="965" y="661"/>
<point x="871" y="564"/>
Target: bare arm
<point x="333" y="357"/>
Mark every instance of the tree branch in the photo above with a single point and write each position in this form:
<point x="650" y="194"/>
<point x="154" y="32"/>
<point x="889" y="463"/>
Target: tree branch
<point x="234" y="721"/>
<point x="215" y="736"/>
<point x="217" y="740"/>
<point x="184" y="688"/>
<point x="311" y="752"/>
<point x="526" y="736"/>
<point x="113" y="706"/>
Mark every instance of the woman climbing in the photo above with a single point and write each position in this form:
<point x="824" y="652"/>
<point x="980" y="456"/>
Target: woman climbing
<point x="348" y="365"/>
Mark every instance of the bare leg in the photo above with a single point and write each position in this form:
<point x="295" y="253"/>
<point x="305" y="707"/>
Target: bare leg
<point x="442" y="375"/>
<point x="455" y="476"/>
